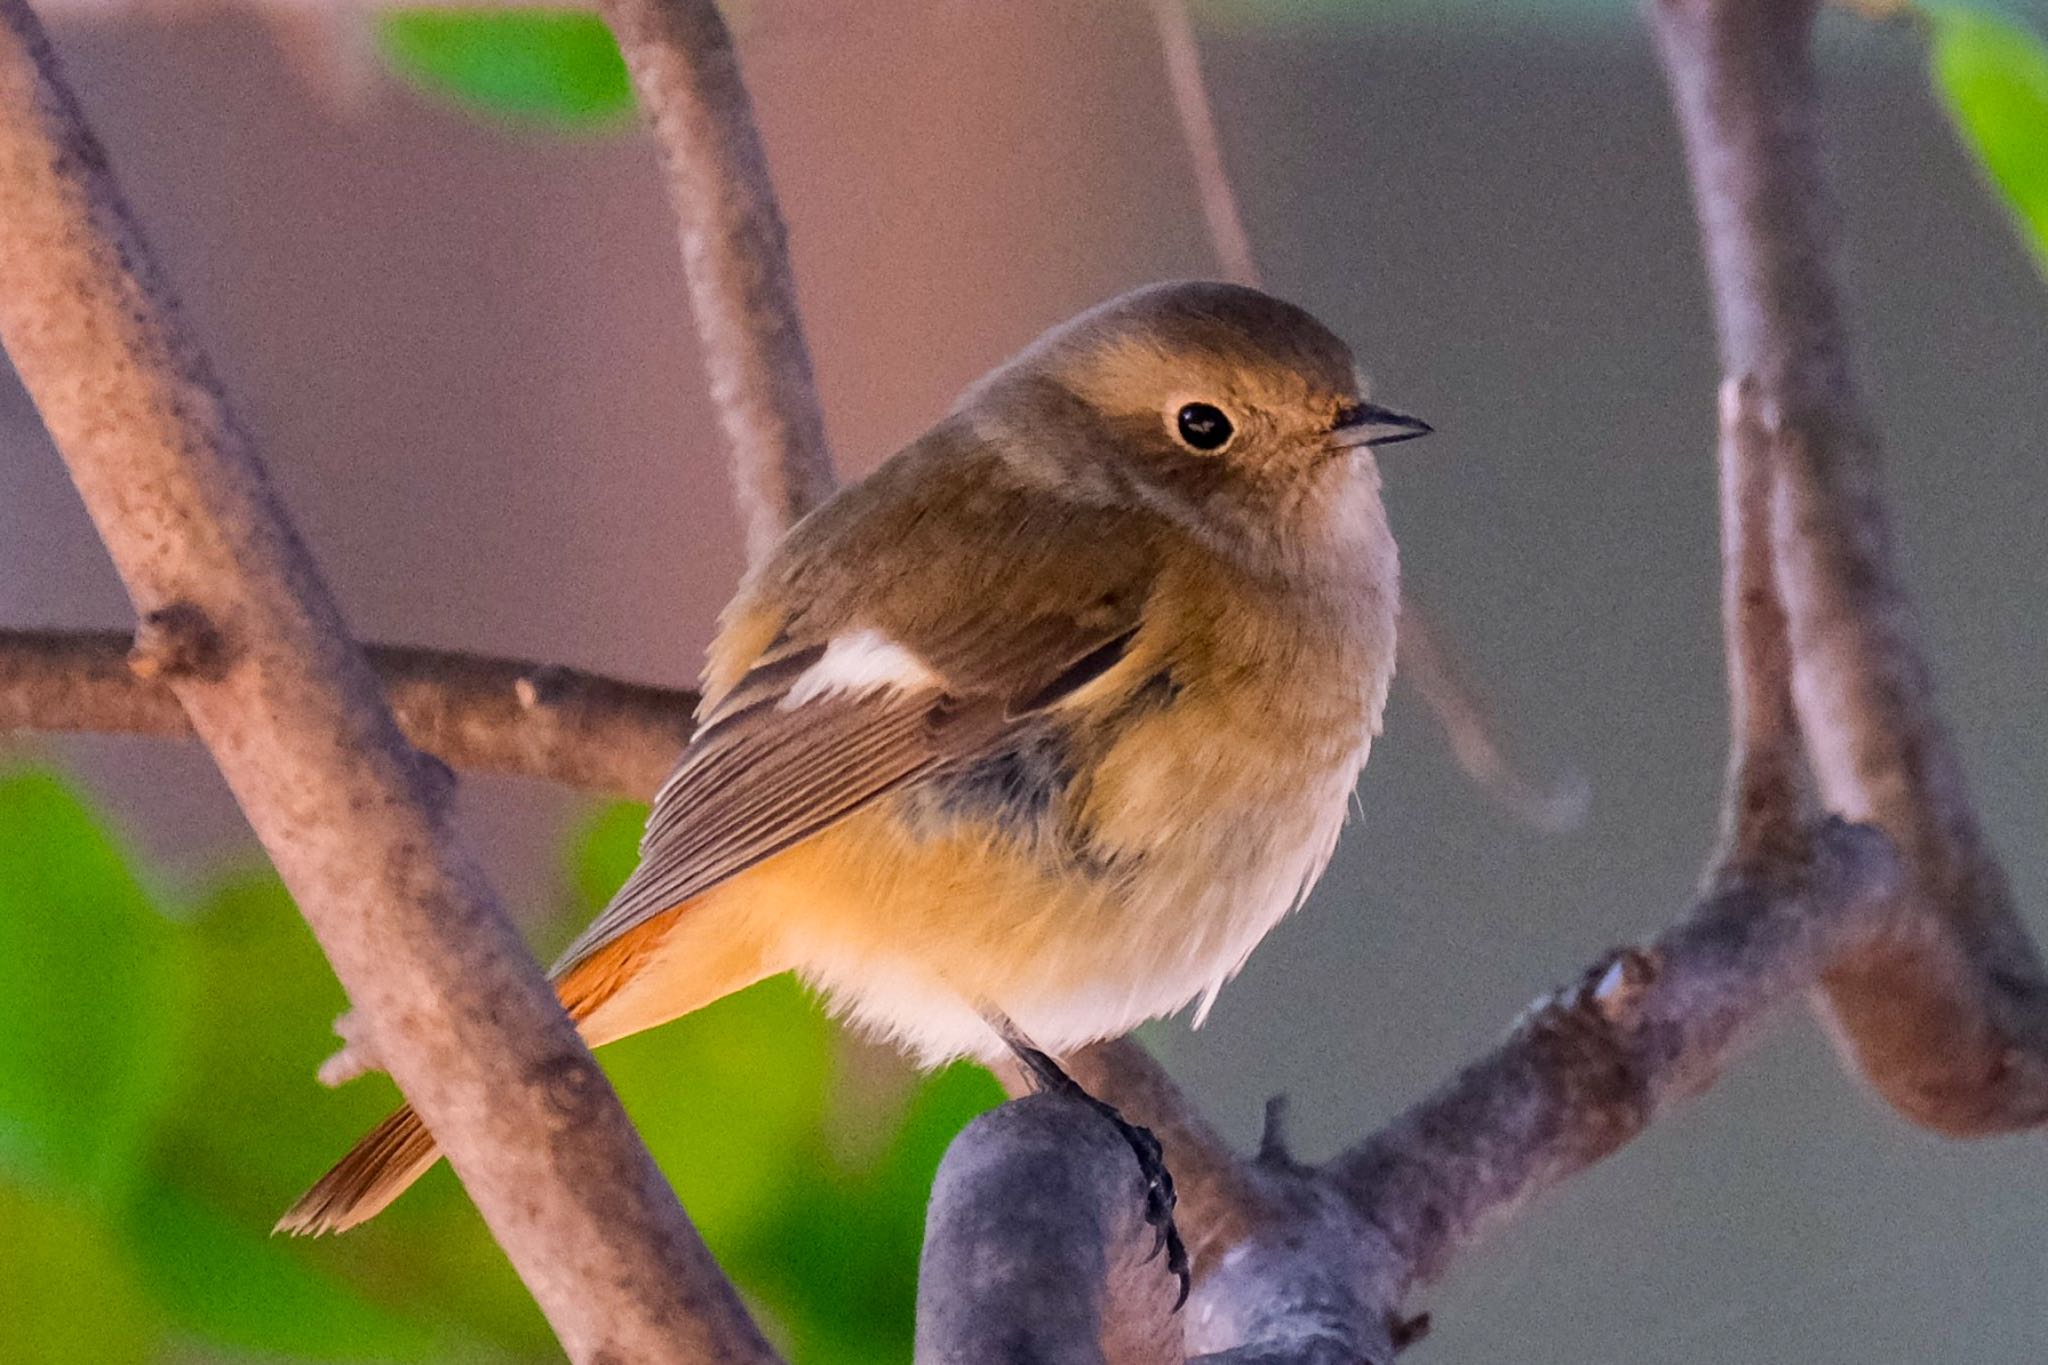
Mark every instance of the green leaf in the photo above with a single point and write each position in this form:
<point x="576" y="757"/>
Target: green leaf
<point x="222" y="1279"/>
<point x="89" y="985"/>
<point x="729" y="1098"/>
<point x="552" y="68"/>
<point x="603" y="856"/>
<point x="1992" y="76"/>
<point x="70" y="1292"/>
<point x="839" y="1261"/>
<point x="249" y="1129"/>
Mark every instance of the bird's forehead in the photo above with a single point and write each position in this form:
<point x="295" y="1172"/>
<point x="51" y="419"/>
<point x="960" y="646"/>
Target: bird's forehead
<point x="1141" y="367"/>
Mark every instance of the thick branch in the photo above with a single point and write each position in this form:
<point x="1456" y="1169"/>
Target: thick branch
<point x="235" y="618"/>
<point x="735" y="257"/>
<point x="1036" y="1250"/>
<point x="480" y="714"/>
<point x="1959" y="1043"/>
<point x="1584" y="1074"/>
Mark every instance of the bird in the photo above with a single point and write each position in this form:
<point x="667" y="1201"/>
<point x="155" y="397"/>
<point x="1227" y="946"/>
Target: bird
<point x="1031" y="735"/>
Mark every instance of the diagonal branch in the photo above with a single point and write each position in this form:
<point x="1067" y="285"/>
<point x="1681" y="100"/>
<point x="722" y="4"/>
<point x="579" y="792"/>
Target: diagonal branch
<point x="735" y="257"/>
<point x="235" y="618"/>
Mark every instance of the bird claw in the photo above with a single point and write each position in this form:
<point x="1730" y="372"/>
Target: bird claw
<point x="1047" y="1076"/>
<point x="1159" y="1199"/>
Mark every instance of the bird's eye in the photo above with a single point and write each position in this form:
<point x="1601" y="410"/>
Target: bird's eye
<point x="1203" y="426"/>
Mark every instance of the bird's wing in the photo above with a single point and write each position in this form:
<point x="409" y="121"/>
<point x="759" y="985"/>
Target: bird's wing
<point x="873" y="676"/>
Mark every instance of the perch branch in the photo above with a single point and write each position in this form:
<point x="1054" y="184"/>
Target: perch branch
<point x="235" y="618"/>
<point x="1957" y="1047"/>
<point x="1035" y="1235"/>
<point x="735" y="257"/>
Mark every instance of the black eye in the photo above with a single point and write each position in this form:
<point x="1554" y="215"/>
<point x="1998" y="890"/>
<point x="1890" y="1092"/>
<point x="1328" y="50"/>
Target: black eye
<point x="1203" y="426"/>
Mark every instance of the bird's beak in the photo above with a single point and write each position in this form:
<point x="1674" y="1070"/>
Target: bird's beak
<point x="1368" y="424"/>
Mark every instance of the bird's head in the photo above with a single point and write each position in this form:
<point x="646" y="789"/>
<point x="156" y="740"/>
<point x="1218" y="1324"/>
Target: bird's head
<point x="1222" y="408"/>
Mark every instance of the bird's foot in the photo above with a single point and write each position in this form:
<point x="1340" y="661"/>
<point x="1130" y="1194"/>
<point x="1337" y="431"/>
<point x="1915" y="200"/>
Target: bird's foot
<point x="1159" y="1196"/>
<point x="1050" y="1077"/>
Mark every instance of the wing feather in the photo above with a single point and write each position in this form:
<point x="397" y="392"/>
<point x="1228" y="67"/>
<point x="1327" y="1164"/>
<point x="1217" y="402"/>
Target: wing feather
<point x="774" y="762"/>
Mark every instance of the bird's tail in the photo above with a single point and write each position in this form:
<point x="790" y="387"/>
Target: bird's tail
<point x="645" y="977"/>
<point x="376" y="1171"/>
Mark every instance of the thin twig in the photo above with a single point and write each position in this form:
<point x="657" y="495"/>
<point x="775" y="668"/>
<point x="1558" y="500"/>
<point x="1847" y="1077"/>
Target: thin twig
<point x="1233" y="245"/>
<point x="1766" y="807"/>
<point x="735" y="257"/>
<point x="235" y="618"/>
<point x="1425" y="663"/>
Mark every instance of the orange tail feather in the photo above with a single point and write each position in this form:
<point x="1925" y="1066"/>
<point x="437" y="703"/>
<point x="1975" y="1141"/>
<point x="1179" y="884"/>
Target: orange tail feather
<point x="400" y="1150"/>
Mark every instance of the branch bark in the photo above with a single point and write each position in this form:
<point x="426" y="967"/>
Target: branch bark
<point x="512" y="716"/>
<point x="235" y="619"/>
<point x="1035" y="1248"/>
<point x="735" y="257"/>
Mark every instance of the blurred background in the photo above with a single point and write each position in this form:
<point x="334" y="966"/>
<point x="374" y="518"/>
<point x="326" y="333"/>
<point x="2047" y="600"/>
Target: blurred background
<point x="444" y="287"/>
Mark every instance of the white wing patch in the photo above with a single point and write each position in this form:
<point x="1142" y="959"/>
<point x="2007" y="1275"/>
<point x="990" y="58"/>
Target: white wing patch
<point x="863" y="661"/>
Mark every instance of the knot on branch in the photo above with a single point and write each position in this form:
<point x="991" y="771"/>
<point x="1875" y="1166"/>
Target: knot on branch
<point x="357" y="1056"/>
<point x="179" y="641"/>
<point x="1617" y="989"/>
<point x="435" y="781"/>
<point x="574" y="1087"/>
<point x="543" y="687"/>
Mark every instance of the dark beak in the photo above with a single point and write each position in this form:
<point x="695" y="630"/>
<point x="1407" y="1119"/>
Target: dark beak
<point x="1368" y="424"/>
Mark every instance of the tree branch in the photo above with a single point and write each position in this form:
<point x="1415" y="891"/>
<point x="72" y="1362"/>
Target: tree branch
<point x="1191" y="105"/>
<point x="1959" y="1043"/>
<point x="235" y="618"/>
<point x="1036" y="1248"/>
<point x="481" y="714"/>
<point x="735" y="257"/>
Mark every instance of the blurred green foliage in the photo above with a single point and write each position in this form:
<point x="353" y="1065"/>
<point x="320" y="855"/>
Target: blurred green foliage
<point x="157" y="1111"/>
<point x="551" y="68"/>
<point x="1992" y="76"/>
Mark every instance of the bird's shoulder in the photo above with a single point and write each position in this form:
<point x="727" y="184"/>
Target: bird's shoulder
<point x="947" y="553"/>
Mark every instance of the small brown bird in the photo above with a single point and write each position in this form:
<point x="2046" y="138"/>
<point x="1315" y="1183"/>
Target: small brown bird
<point x="1034" y="733"/>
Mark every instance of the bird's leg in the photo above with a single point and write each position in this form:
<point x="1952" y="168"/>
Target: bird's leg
<point x="1048" y="1077"/>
